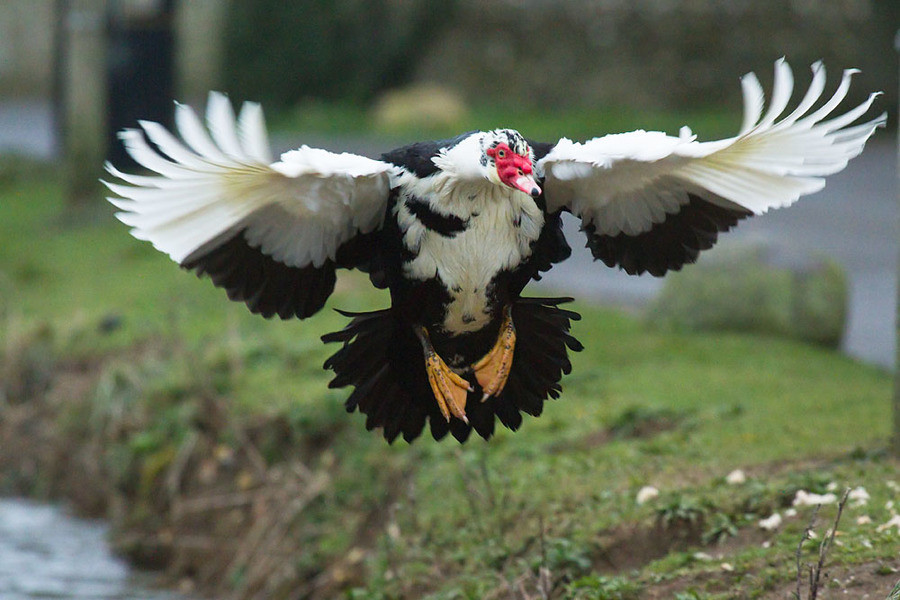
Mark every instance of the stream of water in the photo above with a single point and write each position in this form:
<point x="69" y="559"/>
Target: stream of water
<point x="46" y="553"/>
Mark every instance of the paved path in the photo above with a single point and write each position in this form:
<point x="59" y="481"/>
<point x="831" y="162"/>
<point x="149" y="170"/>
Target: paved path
<point x="26" y="128"/>
<point x="854" y="219"/>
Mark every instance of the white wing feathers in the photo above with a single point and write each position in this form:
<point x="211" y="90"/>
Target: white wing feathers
<point x="220" y="178"/>
<point x="627" y="183"/>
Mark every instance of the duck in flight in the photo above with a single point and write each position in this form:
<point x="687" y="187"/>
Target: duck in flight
<point x="456" y="229"/>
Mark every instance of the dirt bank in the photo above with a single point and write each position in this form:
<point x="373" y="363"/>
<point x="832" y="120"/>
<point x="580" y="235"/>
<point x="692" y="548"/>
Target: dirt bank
<point x="212" y="513"/>
<point x="236" y="506"/>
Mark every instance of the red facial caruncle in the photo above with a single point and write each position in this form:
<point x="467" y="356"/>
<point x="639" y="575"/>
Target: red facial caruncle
<point x="514" y="169"/>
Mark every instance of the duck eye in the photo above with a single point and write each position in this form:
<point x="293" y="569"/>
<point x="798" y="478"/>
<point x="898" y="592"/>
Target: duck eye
<point x="501" y="153"/>
<point x="521" y="172"/>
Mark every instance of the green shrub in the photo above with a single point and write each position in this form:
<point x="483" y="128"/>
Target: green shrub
<point x="282" y="52"/>
<point x="749" y="289"/>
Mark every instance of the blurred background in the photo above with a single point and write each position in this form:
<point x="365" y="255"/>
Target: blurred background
<point x="131" y="57"/>
<point x="135" y="393"/>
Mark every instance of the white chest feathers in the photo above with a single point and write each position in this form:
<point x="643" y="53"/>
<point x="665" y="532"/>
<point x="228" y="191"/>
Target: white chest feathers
<point x="465" y="235"/>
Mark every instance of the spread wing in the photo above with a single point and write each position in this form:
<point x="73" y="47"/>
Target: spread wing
<point x="651" y="202"/>
<point x="270" y="233"/>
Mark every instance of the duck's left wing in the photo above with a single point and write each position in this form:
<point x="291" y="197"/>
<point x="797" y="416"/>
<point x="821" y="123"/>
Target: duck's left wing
<point x="270" y="233"/>
<point x="650" y="202"/>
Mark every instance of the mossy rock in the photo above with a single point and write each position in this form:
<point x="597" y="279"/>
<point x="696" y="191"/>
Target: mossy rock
<point x="754" y="289"/>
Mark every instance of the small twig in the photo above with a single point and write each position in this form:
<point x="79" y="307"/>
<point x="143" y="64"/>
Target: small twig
<point x="505" y="589"/>
<point x="213" y="502"/>
<point x="803" y="538"/>
<point x="473" y="493"/>
<point x="207" y="543"/>
<point x="301" y="471"/>
<point x="486" y="478"/>
<point x="545" y="583"/>
<point x="176" y="471"/>
<point x="254" y="456"/>
<point x="543" y="569"/>
<point x="543" y="543"/>
<point x="826" y="545"/>
<point x="267" y="534"/>
<point x="895" y="593"/>
<point x="814" y="572"/>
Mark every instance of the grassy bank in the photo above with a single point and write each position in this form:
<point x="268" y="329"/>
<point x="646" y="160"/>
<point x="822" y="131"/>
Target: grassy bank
<point x="577" y="124"/>
<point x="208" y="437"/>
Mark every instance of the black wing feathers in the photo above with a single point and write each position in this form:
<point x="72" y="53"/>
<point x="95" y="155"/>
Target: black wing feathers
<point x="540" y="149"/>
<point x="269" y="287"/>
<point x="668" y="245"/>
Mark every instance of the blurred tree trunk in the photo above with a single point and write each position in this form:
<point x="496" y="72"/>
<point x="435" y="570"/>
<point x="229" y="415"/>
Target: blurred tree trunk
<point x="83" y="90"/>
<point x="895" y="436"/>
<point x="199" y="47"/>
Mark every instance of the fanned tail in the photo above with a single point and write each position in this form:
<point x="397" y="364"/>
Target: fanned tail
<point x="541" y="359"/>
<point x="383" y="361"/>
<point x="392" y="395"/>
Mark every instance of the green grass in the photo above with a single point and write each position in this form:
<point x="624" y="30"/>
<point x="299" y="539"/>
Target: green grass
<point x="576" y="124"/>
<point x="440" y="520"/>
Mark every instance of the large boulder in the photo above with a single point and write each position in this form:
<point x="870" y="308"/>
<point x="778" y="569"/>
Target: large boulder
<point x="757" y="288"/>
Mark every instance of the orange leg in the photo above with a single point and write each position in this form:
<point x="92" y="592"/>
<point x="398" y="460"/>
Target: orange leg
<point x="492" y="371"/>
<point x="450" y="390"/>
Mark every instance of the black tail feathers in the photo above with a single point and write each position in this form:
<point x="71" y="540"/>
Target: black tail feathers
<point x="383" y="360"/>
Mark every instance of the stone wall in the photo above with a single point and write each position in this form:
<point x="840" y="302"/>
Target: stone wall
<point x="647" y="53"/>
<point x="27" y="37"/>
<point x="26" y="47"/>
<point x="655" y="53"/>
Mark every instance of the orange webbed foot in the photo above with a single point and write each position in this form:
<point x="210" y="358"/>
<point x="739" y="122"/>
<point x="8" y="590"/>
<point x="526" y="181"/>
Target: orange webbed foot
<point x="492" y="371"/>
<point x="449" y="389"/>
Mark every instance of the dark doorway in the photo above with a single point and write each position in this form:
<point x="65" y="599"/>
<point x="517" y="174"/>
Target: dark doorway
<point x="141" y="67"/>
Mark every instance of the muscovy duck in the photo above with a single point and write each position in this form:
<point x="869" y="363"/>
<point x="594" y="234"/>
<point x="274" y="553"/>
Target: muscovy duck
<point x="456" y="229"/>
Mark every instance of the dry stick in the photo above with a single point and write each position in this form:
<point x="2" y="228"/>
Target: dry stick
<point x="473" y="492"/>
<point x="806" y="536"/>
<point x="488" y="484"/>
<point x="895" y="593"/>
<point x="815" y="572"/>
<point x="545" y="583"/>
<point x="179" y="465"/>
<point x="507" y="588"/>
<point x="257" y="461"/>
<point x="543" y="543"/>
<point x="213" y="502"/>
<point x="545" y="593"/>
<point x="267" y="533"/>
<point x="826" y="544"/>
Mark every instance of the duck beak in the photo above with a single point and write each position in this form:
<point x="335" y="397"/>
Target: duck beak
<point x="527" y="184"/>
<point x="515" y="170"/>
<point x="522" y="178"/>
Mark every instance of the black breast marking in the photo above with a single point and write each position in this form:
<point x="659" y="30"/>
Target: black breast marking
<point x="446" y="225"/>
